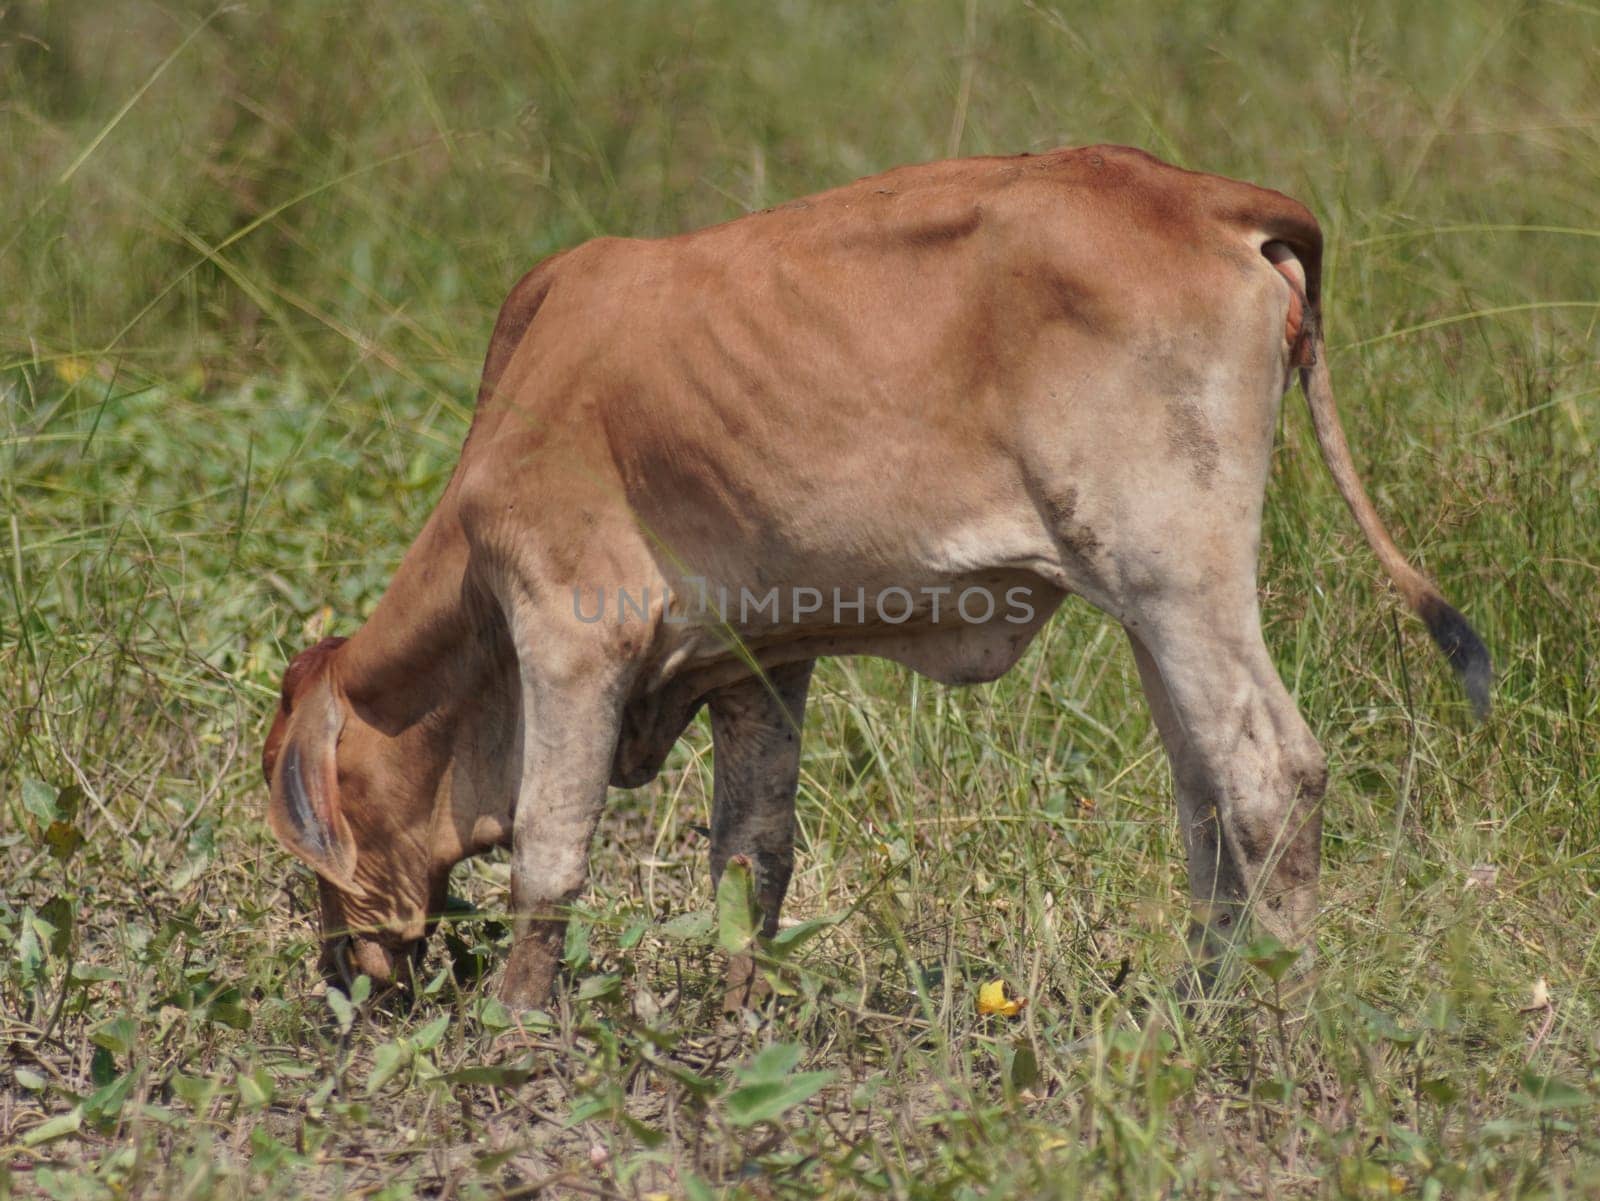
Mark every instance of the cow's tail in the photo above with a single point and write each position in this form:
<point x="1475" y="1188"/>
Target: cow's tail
<point x="1459" y="642"/>
<point x="1295" y="249"/>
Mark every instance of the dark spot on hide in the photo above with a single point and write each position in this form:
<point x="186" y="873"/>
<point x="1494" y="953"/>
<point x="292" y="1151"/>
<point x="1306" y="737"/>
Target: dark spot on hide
<point x="1061" y="511"/>
<point x="1190" y="436"/>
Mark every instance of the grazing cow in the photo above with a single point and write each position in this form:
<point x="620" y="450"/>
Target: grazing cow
<point x="903" y="418"/>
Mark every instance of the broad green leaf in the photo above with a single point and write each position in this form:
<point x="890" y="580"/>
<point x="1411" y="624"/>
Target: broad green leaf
<point x="102" y="1067"/>
<point x="791" y="939"/>
<point x="58" y="911"/>
<point x="63" y="839"/>
<point x="387" y="1062"/>
<point x="255" y="1089"/>
<point x="1505" y="1130"/>
<point x="1441" y="1090"/>
<point x="318" y="1099"/>
<point x="738" y="919"/>
<point x="30" y="951"/>
<point x="343" y="1012"/>
<point x="188" y="872"/>
<point x="1383" y="1025"/>
<point x="507" y="1076"/>
<point x="1270" y="957"/>
<point x="687" y="927"/>
<point x="227" y="1008"/>
<point x="596" y="987"/>
<point x="493" y="1015"/>
<point x="39" y="799"/>
<point x="68" y="801"/>
<point x="428" y="1037"/>
<point x="779" y="986"/>
<point x="648" y="1136"/>
<point x="701" y="1086"/>
<point x="423" y="1069"/>
<point x="1275" y="1089"/>
<point x="167" y="1117"/>
<point x="772" y="1063"/>
<point x="440" y="979"/>
<point x="770" y="1099"/>
<point x="494" y="1160"/>
<point x="269" y="1156"/>
<point x="575" y="952"/>
<point x="117" y="1035"/>
<point x="196" y="1091"/>
<point x="1024" y="1071"/>
<point x="587" y="1108"/>
<point x="57" y="1127"/>
<point x="104" y="1104"/>
<point x="1545" y="1093"/>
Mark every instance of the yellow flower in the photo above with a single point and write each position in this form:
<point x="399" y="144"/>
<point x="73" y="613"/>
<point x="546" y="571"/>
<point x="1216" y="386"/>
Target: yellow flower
<point x="994" y="997"/>
<point x="70" y="370"/>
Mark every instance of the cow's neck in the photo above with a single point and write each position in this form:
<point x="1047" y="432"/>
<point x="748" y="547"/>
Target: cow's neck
<point x="432" y="671"/>
<point x="420" y="651"/>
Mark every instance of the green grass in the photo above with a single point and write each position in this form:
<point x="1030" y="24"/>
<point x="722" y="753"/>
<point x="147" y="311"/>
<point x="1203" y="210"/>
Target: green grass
<point x="247" y="273"/>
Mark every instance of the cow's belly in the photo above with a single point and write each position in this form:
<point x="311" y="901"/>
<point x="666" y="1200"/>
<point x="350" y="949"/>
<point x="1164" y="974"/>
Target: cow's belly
<point x="959" y="604"/>
<point x="951" y="650"/>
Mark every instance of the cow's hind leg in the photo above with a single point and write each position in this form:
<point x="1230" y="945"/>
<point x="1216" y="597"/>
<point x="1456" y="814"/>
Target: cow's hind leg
<point x="1248" y="774"/>
<point x="755" y="729"/>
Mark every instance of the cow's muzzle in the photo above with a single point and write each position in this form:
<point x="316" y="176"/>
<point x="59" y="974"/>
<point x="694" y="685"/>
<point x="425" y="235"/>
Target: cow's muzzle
<point x="389" y="964"/>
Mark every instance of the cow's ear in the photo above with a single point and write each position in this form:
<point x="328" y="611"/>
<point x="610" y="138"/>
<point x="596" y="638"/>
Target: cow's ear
<point x="304" y="808"/>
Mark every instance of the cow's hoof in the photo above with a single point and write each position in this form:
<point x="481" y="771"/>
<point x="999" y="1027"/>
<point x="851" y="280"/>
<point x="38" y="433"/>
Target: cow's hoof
<point x="530" y="972"/>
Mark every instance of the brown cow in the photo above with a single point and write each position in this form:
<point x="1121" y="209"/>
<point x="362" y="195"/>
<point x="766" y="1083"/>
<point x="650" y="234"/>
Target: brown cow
<point x="903" y="418"/>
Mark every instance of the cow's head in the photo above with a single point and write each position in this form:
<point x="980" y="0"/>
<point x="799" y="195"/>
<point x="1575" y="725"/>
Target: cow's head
<point x="359" y="806"/>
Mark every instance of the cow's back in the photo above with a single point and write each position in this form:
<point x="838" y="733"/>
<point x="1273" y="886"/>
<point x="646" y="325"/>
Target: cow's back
<point x="846" y="384"/>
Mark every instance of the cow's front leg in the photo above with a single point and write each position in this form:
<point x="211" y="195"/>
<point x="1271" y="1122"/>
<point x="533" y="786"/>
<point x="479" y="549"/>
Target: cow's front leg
<point x="569" y="740"/>
<point x="755" y="730"/>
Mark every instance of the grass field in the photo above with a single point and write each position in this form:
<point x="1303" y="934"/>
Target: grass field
<point x="248" y="266"/>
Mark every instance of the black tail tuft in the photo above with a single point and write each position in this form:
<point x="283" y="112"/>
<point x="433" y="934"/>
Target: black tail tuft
<point x="1465" y="650"/>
